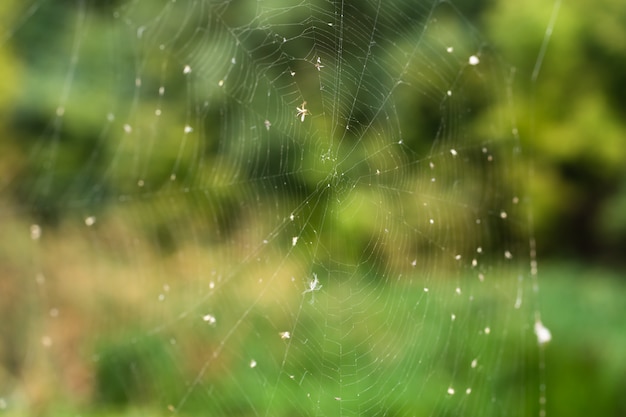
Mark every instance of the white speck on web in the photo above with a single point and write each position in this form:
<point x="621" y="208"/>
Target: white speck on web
<point x="543" y="333"/>
<point x="473" y="60"/>
<point x="187" y="69"/>
<point x="252" y="363"/>
<point x="209" y="318"/>
<point x="46" y="341"/>
<point x="451" y="391"/>
<point x="285" y="335"/>
<point x="35" y="231"/>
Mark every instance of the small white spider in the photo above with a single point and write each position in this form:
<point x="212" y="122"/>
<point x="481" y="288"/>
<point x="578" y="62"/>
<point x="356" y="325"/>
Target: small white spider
<point x="302" y="111"/>
<point x="314" y="285"/>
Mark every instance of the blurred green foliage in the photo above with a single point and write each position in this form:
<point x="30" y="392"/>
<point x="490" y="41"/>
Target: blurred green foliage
<point x="571" y="120"/>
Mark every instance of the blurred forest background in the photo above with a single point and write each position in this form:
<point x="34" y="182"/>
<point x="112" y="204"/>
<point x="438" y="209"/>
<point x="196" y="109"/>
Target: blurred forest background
<point x="572" y="123"/>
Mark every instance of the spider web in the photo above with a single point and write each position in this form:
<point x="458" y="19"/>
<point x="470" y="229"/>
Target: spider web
<point x="271" y="208"/>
